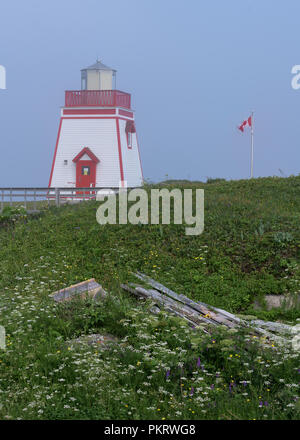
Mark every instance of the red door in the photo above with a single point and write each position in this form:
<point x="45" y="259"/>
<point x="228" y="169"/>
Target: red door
<point x="85" y="175"/>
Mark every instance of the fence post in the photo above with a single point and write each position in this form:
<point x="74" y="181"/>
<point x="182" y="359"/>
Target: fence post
<point x="34" y="203"/>
<point x="57" y="198"/>
<point x="2" y="200"/>
<point x="25" y="198"/>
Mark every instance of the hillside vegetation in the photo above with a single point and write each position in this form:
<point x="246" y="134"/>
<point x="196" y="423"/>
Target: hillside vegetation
<point x="159" y="368"/>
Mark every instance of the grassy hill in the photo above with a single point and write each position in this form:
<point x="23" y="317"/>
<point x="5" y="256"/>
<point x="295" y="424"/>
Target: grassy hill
<point x="160" y="369"/>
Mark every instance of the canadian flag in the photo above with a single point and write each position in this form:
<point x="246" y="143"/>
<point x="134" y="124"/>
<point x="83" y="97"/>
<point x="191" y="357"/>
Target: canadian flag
<point x="245" y="123"/>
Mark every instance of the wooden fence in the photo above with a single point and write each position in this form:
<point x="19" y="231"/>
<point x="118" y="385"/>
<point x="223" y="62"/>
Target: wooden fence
<point x="30" y="197"/>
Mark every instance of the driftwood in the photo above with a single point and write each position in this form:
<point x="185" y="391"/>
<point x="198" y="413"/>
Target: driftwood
<point x="273" y="326"/>
<point x="86" y="289"/>
<point x="169" y="305"/>
<point x="199" y="307"/>
<point x="199" y="313"/>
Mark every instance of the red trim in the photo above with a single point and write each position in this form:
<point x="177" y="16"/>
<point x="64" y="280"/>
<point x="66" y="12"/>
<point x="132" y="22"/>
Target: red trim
<point x="93" y="117"/>
<point x="91" y="111"/>
<point x="124" y="113"/>
<point x="130" y="127"/>
<point x="55" y="151"/>
<point x="120" y="151"/>
<point x="87" y="151"/>
<point x="97" y="98"/>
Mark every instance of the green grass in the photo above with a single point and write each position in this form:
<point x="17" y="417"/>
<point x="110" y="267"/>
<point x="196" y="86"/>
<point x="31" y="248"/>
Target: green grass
<point x="161" y="368"/>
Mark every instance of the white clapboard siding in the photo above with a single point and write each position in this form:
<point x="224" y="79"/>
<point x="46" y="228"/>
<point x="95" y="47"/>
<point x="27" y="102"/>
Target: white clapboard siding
<point x="131" y="159"/>
<point x="100" y="136"/>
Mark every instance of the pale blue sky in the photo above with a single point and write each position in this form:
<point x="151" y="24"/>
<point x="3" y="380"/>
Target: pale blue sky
<point x="195" y="68"/>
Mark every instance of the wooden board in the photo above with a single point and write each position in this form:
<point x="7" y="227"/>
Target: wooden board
<point x="86" y="289"/>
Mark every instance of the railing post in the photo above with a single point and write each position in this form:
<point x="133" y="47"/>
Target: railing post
<point x="10" y="198"/>
<point x="25" y="198"/>
<point x="34" y="203"/>
<point x="48" y="198"/>
<point x="2" y="200"/>
<point x="57" y="198"/>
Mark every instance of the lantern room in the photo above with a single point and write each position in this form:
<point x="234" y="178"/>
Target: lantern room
<point x="98" y="77"/>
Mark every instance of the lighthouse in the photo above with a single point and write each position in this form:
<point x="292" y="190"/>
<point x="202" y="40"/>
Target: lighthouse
<point x="97" y="144"/>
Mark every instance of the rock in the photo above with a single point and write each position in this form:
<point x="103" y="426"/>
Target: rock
<point x="155" y="310"/>
<point x="275" y="301"/>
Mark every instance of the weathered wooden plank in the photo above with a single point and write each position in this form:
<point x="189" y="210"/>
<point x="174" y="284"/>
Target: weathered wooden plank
<point x="141" y="295"/>
<point x="273" y="326"/>
<point x="268" y="335"/>
<point x="185" y="300"/>
<point x="191" y="323"/>
<point x="254" y="325"/>
<point x="185" y="312"/>
<point x="86" y="288"/>
<point x="193" y="316"/>
<point x="134" y="292"/>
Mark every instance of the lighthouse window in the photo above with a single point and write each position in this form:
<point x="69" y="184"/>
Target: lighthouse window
<point x="83" y="80"/>
<point x="129" y="128"/>
<point x="129" y="139"/>
<point x="85" y="171"/>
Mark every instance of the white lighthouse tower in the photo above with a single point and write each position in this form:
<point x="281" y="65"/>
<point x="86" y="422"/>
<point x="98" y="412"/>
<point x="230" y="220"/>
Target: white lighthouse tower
<point x="96" y="143"/>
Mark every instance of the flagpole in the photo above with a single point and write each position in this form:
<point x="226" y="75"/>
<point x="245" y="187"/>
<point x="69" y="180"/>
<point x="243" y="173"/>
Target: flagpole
<point x="252" y="146"/>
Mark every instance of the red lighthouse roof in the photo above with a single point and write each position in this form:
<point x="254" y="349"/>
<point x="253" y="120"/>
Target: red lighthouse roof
<point x="98" y="66"/>
<point x="87" y="151"/>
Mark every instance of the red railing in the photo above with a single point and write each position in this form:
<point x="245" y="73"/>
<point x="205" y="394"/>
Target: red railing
<point x="97" y="98"/>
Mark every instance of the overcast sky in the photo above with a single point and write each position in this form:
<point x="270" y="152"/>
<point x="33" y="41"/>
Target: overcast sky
<point x="195" y="69"/>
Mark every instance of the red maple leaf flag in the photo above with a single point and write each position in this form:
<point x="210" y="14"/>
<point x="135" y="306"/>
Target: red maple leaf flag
<point x="244" y="123"/>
